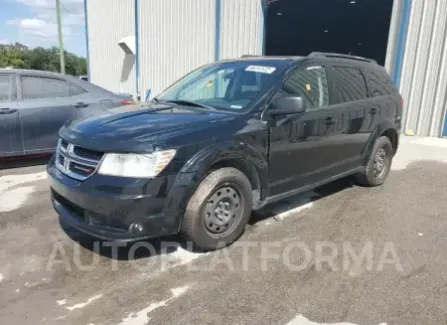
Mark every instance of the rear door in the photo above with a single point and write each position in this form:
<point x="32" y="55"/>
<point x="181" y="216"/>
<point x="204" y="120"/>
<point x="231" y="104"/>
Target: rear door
<point x="385" y="101"/>
<point x="45" y="105"/>
<point x="10" y="133"/>
<point x="91" y="100"/>
<point x="350" y="96"/>
<point x="304" y="147"/>
<point x="84" y="102"/>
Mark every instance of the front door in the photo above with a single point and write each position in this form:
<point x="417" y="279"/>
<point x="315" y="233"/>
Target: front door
<point x="45" y="106"/>
<point x="10" y="132"/>
<point x="304" y="148"/>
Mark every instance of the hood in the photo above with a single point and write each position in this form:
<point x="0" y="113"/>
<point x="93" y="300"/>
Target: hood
<point x="139" y="127"/>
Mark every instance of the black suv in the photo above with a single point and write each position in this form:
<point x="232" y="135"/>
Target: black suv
<point x="227" y="138"/>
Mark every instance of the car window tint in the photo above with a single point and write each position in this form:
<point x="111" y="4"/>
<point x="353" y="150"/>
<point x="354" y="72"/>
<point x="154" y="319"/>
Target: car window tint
<point x="40" y="87"/>
<point x="76" y="90"/>
<point x="350" y="84"/>
<point x="380" y="84"/>
<point x="5" y="87"/>
<point x="311" y="84"/>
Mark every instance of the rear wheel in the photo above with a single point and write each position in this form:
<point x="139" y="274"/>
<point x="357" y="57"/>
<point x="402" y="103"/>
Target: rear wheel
<point x="379" y="163"/>
<point x="218" y="212"/>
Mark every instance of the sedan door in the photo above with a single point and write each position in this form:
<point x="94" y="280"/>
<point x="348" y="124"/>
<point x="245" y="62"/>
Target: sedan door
<point x="10" y="131"/>
<point x="45" y="105"/>
<point x="90" y="100"/>
<point x="303" y="147"/>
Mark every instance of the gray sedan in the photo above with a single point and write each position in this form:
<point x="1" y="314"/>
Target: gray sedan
<point x="35" y="104"/>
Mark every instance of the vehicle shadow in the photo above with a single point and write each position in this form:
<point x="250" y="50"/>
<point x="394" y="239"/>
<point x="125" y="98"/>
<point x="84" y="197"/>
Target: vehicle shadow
<point x="169" y="245"/>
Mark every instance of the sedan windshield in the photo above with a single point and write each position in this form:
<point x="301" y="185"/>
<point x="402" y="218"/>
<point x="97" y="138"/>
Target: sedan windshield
<point x="225" y="86"/>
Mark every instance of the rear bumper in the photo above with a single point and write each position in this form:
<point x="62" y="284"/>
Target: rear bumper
<point x="113" y="208"/>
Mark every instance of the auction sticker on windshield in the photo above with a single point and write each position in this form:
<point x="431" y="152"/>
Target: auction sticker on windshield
<point x="261" y="69"/>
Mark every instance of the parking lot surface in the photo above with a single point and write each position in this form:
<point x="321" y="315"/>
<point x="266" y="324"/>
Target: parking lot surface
<point x="342" y="254"/>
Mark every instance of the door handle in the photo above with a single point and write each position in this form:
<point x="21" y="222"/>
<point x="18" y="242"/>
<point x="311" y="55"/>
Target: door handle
<point x="81" y="104"/>
<point x="373" y="111"/>
<point x="329" y="120"/>
<point x="7" y="110"/>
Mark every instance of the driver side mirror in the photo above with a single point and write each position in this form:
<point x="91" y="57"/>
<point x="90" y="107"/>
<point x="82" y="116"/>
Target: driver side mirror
<point x="288" y="105"/>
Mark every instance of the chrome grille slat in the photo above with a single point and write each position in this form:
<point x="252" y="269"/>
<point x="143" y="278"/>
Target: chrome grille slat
<point x="74" y="164"/>
<point x="80" y="160"/>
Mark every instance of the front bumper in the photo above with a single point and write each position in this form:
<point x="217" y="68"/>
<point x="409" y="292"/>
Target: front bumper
<point x="113" y="208"/>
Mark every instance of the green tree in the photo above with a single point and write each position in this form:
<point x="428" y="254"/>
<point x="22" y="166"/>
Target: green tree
<point x="19" y="56"/>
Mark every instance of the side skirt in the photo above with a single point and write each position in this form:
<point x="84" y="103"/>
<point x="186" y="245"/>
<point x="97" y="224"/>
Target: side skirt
<point x="306" y="188"/>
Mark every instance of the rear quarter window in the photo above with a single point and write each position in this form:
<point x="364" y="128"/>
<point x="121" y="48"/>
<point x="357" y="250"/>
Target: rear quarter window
<point x="75" y="90"/>
<point x="380" y="84"/>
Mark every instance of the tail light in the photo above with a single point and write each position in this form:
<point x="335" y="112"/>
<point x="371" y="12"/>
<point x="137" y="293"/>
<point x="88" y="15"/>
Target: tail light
<point x="128" y="101"/>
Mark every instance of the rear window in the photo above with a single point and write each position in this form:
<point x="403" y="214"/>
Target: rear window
<point x="43" y="87"/>
<point x="380" y="83"/>
<point x="349" y="84"/>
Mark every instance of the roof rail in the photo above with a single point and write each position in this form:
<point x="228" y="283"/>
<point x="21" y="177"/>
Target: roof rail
<point x="249" y="56"/>
<point x="342" y="56"/>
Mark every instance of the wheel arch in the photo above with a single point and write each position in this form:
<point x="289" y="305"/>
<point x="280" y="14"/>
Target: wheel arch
<point x="387" y="129"/>
<point x="391" y="134"/>
<point x="249" y="170"/>
<point x="241" y="156"/>
<point x="244" y="157"/>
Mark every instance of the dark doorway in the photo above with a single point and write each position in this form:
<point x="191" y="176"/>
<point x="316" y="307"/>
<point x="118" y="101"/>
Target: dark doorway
<point x="299" y="27"/>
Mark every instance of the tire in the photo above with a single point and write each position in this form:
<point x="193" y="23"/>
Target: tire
<point x="219" y="210"/>
<point x="373" y="175"/>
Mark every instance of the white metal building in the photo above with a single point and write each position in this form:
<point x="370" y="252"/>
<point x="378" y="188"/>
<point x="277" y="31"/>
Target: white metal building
<point x="139" y="45"/>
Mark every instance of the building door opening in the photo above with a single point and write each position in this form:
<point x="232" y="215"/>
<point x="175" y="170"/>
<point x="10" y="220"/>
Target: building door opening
<point x="357" y="27"/>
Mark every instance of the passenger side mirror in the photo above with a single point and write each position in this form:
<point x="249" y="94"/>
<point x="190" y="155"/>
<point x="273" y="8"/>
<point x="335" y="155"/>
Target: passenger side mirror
<point x="288" y="105"/>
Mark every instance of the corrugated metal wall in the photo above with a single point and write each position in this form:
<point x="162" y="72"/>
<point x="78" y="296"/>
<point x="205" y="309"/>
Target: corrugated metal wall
<point x="424" y="72"/>
<point x="175" y="37"/>
<point x="242" y="26"/>
<point x="108" y="22"/>
<point x="393" y="36"/>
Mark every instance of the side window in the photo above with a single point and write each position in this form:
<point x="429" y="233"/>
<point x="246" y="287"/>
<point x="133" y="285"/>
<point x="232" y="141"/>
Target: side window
<point x="311" y="84"/>
<point x="41" y="87"/>
<point x="76" y="90"/>
<point x="350" y="84"/>
<point x="380" y="84"/>
<point x="5" y="87"/>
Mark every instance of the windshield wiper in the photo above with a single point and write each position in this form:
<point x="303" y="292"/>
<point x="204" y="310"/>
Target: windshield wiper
<point x="189" y="103"/>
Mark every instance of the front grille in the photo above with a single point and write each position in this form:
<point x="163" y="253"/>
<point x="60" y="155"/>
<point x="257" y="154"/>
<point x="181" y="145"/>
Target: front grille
<point x="75" y="210"/>
<point x="87" y="153"/>
<point x="64" y="144"/>
<point x="89" y="217"/>
<point x="77" y="162"/>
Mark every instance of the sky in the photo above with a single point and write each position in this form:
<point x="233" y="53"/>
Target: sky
<point x="33" y="23"/>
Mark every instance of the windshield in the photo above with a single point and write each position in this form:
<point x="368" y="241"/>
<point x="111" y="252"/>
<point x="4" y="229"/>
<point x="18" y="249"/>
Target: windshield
<point x="227" y="86"/>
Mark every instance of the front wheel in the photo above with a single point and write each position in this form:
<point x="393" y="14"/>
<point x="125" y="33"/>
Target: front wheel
<point x="379" y="163"/>
<point x="218" y="211"/>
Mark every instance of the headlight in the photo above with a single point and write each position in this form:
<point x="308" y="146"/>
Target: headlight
<point x="135" y="165"/>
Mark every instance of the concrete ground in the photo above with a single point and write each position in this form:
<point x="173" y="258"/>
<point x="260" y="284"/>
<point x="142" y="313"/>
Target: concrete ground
<point x="342" y="254"/>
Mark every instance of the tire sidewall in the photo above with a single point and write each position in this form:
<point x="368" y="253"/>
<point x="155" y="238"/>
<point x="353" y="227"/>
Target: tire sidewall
<point x="385" y="143"/>
<point x="195" y="229"/>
